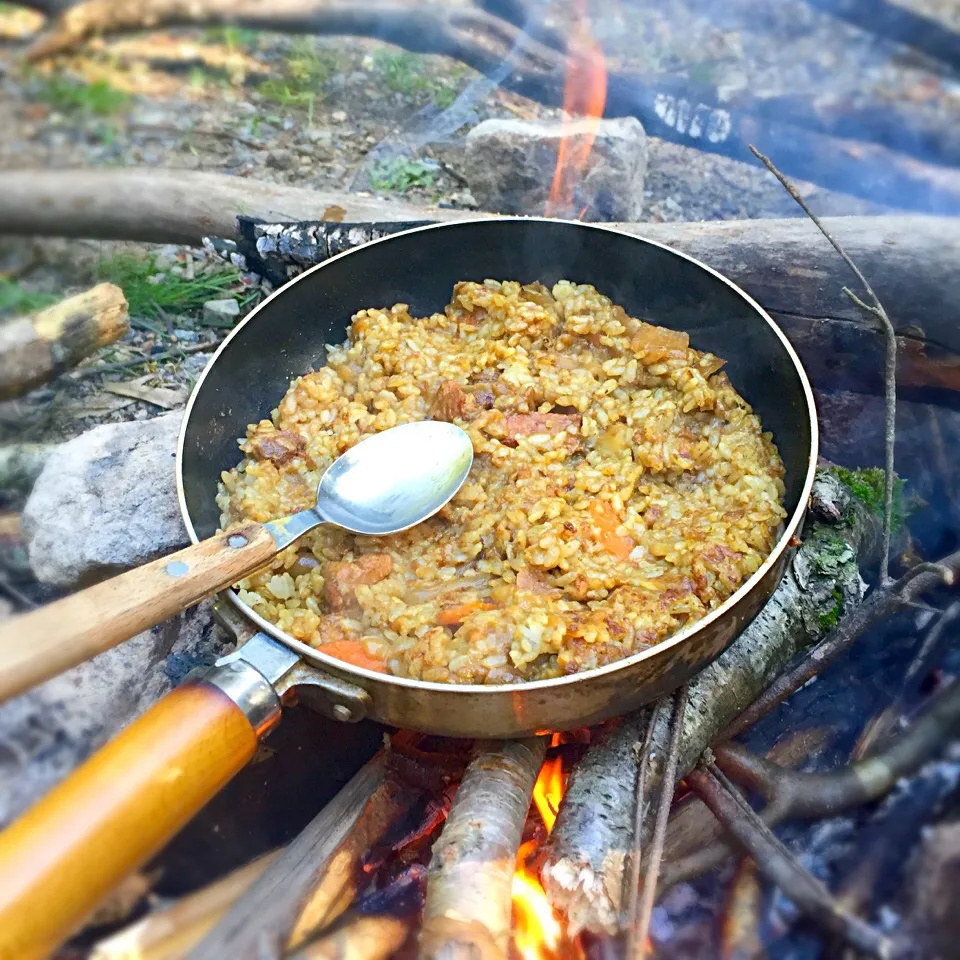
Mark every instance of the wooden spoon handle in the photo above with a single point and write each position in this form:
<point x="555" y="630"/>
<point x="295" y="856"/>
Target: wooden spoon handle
<point x="62" y="857"/>
<point x="45" y="642"/>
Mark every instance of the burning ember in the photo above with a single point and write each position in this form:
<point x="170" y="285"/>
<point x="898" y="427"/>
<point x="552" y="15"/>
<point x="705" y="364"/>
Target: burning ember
<point x="584" y="96"/>
<point x="538" y="933"/>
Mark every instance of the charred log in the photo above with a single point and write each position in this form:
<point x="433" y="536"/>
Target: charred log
<point x="583" y="874"/>
<point x="35" y="349"/>
<point x="898" y="24"/>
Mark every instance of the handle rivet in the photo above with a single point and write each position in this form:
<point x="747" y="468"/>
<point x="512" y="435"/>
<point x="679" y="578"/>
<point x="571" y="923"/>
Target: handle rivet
<point x="342" y="713"/>
<point x="177" y="568"/>
<point x="237" y="541"/>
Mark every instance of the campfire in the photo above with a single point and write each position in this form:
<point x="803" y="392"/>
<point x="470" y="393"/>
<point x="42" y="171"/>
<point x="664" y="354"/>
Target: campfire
<point x="760" y="807"/>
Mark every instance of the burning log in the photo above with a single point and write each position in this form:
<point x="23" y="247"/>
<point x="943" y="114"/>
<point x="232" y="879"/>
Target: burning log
<point x="468" y="908"/>
<point x="312" y="882"/>
<point x="584" y="870"/>
<point x="37" y="348"/>
<point x="362" y="938"/>
<point x="740" y="935"/>
<point x="168" y="934"/>
<point x="667" y="107"/>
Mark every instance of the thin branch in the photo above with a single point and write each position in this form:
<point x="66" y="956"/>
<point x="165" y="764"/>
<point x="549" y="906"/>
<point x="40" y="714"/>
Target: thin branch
<point x="884" y="601"/>
<point x="813" y="796"/>
<point x="928" y="654"/>
<point x="890" y="365"/>
<point x="779" y="865"/>
<point x="640" y="922"/>
<point x="631" y="896"/>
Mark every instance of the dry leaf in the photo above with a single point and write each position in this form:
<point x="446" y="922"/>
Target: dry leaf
<point x="334" y="213"/>
<point x="98" y="405"/>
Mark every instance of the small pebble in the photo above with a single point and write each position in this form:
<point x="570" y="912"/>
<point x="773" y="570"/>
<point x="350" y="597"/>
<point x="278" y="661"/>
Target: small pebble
<point x="281" y="160"/>
<point x="339" y="116"/>
<point x="219" y="310"/>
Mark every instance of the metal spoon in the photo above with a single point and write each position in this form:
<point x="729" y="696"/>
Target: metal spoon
<point x="384" y="484"/>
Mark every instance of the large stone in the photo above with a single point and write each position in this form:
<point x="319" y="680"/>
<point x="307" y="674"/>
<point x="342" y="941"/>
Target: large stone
<point x="47" y="732"/>
<point x="105" y="501"/>
<point x="510" y="164"/>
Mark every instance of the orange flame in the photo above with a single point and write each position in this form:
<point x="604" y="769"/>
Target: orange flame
<point x="537" y="931"/>
<point x="584" y="95"/>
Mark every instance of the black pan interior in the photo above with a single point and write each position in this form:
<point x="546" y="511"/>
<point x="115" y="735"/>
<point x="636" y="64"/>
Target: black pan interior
<point x="286" y="336"/>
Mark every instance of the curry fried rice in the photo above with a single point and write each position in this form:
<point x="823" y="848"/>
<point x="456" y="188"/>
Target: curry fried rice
<point x="621" y="489"/>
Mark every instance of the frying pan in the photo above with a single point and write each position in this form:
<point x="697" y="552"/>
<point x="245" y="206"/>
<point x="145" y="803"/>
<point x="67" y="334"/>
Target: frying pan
<point x="124" y="803"/>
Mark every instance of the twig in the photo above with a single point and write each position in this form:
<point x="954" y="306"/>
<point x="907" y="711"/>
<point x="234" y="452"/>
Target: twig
<point x="792" y="795"/>
<point x="631" y="896"/>
<point x="884" y="601"/>
<point x="778" y="864"/>
<point x="878" y="728"/>
<point x="177" y="354"/>
<point x="876" y="310"/>
<point x="640" y="923"/>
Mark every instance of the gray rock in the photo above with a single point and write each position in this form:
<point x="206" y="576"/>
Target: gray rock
<point x="218" y="311"/>
<point x="105" y="501"/>
<point x="281" y="159"/>
<point x="47" y="732"/>
<point x="509" y="165"/>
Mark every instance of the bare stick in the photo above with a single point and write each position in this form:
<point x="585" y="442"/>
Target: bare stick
<point x="884" y="601"/>
<point x="876" y="310"/>
<point x="778" y="864"/>
<point x="469" y="900"/>
<point x="813" y="796"/>
<point x="881" y="725"/>
<point x="360" y="938"/>
<point x="631" y="895"/>
<point x="640" y="923"/>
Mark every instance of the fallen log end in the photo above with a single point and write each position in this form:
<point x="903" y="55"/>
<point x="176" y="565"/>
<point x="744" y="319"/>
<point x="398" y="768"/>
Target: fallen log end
<point x="589" y="899"/>
<point x="37" y="348"/>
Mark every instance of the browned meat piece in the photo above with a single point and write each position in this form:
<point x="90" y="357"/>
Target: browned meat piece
<point x="532" y="579"/>
<point x="342" y="579"/>
<point x="452" y="402"/>
<point x="527" y="424"/>
<point x="281" y="446"/>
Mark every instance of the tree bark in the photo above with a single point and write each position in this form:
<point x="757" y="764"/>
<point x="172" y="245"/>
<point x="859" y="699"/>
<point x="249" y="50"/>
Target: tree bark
<point x="35" y="349"/>
<point x="469" y="900"/>
<point x="584" y="870"/>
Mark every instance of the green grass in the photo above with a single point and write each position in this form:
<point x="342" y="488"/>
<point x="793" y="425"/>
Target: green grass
<point x="15" y="300"/>
<point x="406" y="73"/>
<point x="399" y="175"/>
<point x="172" y="294"/>
<point x="98" y="98"/>
<point x="305" y="74"/>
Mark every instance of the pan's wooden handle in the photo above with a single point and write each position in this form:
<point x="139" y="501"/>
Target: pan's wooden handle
<point x="65" y="854"/>
<point x="41" y="644"/>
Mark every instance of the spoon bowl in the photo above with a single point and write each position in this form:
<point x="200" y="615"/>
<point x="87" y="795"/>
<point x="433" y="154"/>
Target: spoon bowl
<point x="396" y="479"/>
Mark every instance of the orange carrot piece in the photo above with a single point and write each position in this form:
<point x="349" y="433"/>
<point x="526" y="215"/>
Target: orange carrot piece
<point x="451" y="616"/>
<point x="354" y="653"/>
<point x="606" y="518"/>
